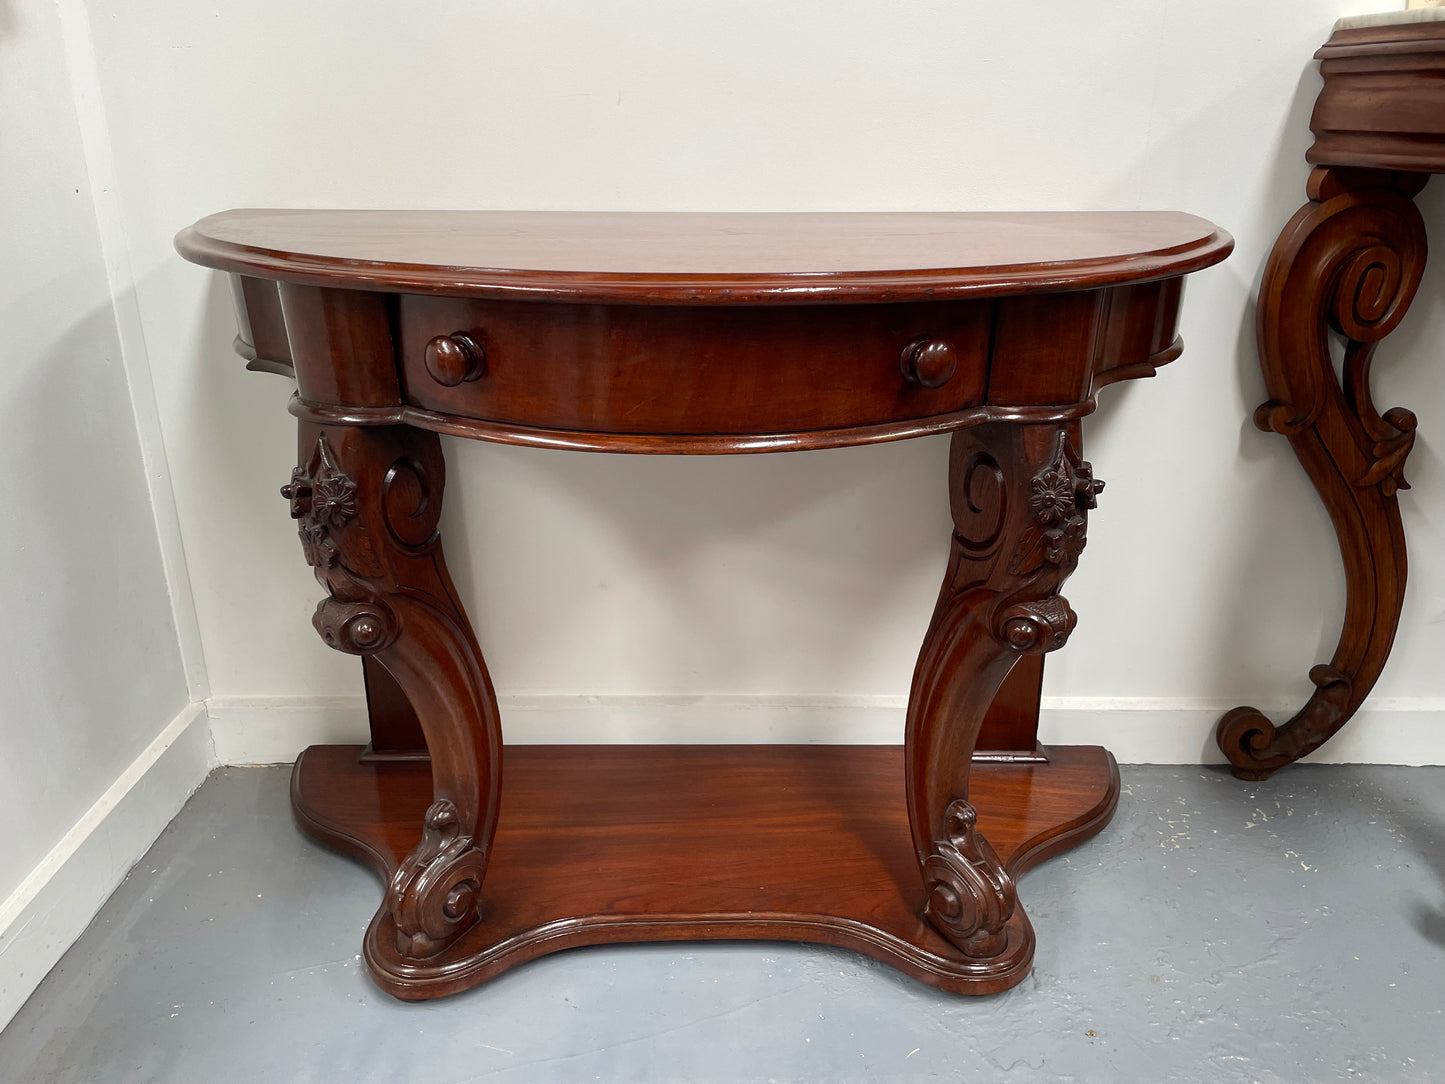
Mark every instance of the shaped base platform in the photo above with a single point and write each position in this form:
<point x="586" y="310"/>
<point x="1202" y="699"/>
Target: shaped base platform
<point x="602" y="844"/>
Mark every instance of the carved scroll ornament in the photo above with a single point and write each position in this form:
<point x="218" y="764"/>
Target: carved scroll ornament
<point x="436" y="890"/>
<point x="970" y="896"/>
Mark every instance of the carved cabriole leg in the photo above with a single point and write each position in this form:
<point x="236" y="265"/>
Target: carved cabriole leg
<point x="368" y="501"/>
<point x="1350" y="260"/>
<point x="1020" y="496"/>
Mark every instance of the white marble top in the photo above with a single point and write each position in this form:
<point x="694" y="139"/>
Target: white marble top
<point x="1388" y="18"/>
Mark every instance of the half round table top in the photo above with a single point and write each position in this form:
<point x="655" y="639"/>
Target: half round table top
<point x="698" y="258"/>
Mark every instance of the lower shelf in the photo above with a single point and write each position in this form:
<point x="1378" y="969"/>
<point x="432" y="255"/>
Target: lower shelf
<point x="601" y="844"/>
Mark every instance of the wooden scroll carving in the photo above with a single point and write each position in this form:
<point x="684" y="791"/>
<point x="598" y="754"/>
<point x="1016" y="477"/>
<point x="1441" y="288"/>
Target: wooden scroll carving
<point x="1350" y="260"/>
<point x="367" y="502"/>
<point x="1020" y="497"/>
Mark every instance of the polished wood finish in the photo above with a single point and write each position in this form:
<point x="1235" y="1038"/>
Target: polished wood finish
<point x="395" y="730"/>
<point x="1010" y="729"/>
<point x="341" y="347"/>
<point x="454" y="359"/>
<point x="1382" y="105"/>
<point x="640" y="354"/>
<point x="701" y="380"/>
<point x="930" y="362"/>
<point x="702" y="259"/>
<point x="601" y="844"/>
<point x="1350" y="260"/>
<point x="680" y="370"/>
<point x="701" y="334"/>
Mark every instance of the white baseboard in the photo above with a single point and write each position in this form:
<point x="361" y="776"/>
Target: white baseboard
<point x="274" y="730"/>
<point x="1137" y="730"/>
<point x="56" y="901"/>
<point x="1408" y="730"/>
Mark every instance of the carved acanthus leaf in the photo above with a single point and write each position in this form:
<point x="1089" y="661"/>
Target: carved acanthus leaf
<point x="1389" y="437"/>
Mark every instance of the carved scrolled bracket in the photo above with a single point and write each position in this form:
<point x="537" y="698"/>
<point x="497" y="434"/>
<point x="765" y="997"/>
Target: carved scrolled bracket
<point x="435" y="891"/>
<point x="970" y="896"/>
<point x="1349" y="261"/>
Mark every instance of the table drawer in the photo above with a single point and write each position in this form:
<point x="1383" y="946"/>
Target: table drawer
<point x="692" y="369"/>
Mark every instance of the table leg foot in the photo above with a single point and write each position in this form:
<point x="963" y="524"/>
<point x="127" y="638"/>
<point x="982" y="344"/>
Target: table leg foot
<point x="1350" y="260"/>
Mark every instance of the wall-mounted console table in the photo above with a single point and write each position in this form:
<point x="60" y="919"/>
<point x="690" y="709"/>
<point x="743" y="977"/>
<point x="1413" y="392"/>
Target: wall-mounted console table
<point x="701" y="334"/>
<point x="1350" y="260"/>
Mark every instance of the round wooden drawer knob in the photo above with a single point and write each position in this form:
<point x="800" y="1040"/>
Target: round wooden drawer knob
<point x="930" y="362"/>
<point x="452" y="359"/>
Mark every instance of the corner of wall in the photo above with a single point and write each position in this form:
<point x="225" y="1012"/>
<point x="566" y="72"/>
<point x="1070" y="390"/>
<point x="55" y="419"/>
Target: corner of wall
<point x="54" y="903"/>
<point x="135" y="358"/>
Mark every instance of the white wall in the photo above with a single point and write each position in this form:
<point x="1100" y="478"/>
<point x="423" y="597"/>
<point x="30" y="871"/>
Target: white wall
<point x="1212" y="577"/>
<point x="93" y="693"/>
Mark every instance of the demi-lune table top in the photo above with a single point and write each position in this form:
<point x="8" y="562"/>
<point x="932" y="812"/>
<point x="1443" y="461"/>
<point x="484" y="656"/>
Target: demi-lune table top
<point x="727" y="258"/>
<point x="703" y="333"/>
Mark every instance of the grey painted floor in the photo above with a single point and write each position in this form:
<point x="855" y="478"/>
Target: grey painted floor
<point x="1217" y="931"/>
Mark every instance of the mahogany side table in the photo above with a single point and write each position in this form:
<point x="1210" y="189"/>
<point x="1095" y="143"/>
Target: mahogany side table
<point x="664" y="333"/>
<point x="1350" y="260"/>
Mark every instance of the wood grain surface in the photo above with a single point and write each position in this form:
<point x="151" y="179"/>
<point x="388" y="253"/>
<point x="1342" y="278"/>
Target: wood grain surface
<point x="600" y="844"/>
<point x="704" y="258"/>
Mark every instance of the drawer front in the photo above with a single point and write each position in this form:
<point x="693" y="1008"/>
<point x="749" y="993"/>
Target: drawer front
<point x="692" y="369"/>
